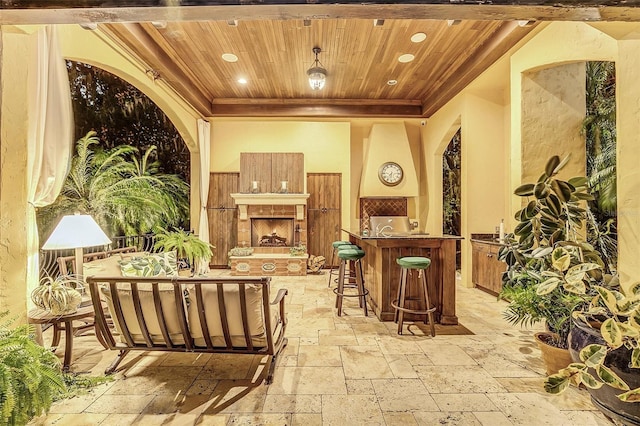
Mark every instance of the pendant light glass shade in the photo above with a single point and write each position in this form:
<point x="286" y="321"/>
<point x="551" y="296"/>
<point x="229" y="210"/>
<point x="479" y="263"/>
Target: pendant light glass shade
<point x="317" y="74"/>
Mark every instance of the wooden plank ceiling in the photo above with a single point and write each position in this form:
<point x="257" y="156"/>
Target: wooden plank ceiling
<point x="360" y="59"/>
<point x="181" y="42"/>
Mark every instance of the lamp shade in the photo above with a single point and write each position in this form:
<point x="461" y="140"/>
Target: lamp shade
<point x="76" y="231"/>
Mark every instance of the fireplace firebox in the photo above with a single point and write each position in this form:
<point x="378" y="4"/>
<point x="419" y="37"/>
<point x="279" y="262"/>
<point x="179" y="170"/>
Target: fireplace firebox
<point x="272" y="232"/>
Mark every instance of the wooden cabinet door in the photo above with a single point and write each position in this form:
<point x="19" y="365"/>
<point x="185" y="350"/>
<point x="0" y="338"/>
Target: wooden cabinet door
<point x="486" y="268"/>
<point x="324" y="212"/>
<point x="223" y="216"/>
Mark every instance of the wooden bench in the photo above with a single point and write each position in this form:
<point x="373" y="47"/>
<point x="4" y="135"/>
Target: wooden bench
<point x="201" y="315"/>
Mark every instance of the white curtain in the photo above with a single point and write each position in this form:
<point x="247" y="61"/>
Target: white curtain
<point x="204" y="143"/>
<point x="49" y="140"/>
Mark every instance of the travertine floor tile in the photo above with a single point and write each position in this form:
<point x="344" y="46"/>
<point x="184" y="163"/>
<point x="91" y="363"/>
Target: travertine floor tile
<point x="400" y="366"/>
<point x="441" y="354"/>
<point x="463" y="402"/>
<point x="306" y="419"/>
<point x="319" y="356"/>
<point x="351" y="370"/>
<point x="351" y="410"/>
<point x="492" y="418"/>
<point x="292" y="404"/>
<point x="403" y="395"/>
<point x="446" y="418"/>
<point x="308" y="381"/>
<point x="457" y="379"/>
<point x="260" y="420"/>
<point x="529" y="409"/>
<point x="364" y="362"/>
<point x="120" y="404"/>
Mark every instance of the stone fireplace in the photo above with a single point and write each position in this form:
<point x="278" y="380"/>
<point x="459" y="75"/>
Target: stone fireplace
<point x="271" y="224"/>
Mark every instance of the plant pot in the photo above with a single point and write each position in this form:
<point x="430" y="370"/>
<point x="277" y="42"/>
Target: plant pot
<point x="554" y="358"/>
<point x="605" y="398"/>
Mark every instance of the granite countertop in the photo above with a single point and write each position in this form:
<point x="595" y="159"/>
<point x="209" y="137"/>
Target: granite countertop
<point x="486" y="238"/>
<point x="410" y="236"/>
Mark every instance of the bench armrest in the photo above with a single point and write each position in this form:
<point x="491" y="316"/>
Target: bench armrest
<point x="280" y="300"/>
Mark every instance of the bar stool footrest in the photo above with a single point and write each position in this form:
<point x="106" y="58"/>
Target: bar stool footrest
<point x="366" y="293"/>
<point x="412" y="311"/>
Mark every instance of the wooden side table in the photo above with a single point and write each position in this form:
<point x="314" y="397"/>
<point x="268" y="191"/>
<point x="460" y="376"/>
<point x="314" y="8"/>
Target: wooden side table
<point x="63" y="322"/>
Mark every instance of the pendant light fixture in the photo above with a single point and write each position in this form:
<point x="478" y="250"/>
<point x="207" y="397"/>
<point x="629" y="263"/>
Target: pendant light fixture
<point x="317" y="74"/>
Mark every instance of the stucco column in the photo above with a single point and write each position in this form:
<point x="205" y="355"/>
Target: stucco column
<point x="628" y="159"/>
<point x="13" y="178"/>
<point x="553" y="109"/>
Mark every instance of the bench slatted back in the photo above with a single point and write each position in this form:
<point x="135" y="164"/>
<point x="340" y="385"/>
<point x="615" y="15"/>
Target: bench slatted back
<point x="116" y="284"/>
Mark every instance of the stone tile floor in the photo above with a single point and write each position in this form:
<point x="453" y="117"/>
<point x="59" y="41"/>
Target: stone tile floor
<point x="349" y="370"/>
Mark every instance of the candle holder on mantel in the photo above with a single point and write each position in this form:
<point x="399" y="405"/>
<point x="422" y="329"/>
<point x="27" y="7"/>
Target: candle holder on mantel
<point x="283" y="187"/>
<point x="255" y="187"/>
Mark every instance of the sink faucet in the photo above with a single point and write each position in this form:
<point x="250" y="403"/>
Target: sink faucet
<point x="380" y="231"/>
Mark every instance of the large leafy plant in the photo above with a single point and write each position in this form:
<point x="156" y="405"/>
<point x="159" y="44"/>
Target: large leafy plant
<point x="187" y="245"/>
<point x="30" y="375"/>
<point x="125" y="193"/>
<point x="550" y="264"/>
<point x="617" y="313"/>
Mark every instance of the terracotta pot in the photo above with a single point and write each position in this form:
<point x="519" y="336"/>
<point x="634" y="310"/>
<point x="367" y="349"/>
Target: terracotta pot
<point x="626" y="413"/>
<point x="554" y="358"/>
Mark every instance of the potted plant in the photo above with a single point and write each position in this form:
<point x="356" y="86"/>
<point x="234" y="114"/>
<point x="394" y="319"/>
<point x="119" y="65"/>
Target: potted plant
<point x="30" y="375"/>
<point x="188" y="246"/>
<point x="59" y="296"/>
<point x="605" y="345"/>
<point x="549" y="261"/>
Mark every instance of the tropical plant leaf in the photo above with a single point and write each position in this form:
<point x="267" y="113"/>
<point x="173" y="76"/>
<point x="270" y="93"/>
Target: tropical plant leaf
<point x="561" y="259"/>
<point x="608" y="298"/>
<point x="612" y="333"/>
<point x="610" y="378"/>
<point x="550" y="167"/>
<point x="630" y="396"/>
<point x="556" y="383"/>
<point x="525" y="190"/>
<point x="547" y="286"/>
<point x="589" y="381"/>
<point x="593" y="355"/>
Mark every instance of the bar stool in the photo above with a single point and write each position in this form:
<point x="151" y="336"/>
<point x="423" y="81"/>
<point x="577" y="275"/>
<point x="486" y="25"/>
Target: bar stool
<point x="420" y="264"/>
<point x="336" y="245"/>
<point x="354" y="256"/>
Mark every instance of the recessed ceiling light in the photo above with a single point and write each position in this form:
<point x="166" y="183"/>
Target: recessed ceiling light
<point x="392" y="82"/>
<point x="418" y="37"/>
<point x="242" y="80"/>
<point x="229" y="57"/>
<point x="407" y="57"/>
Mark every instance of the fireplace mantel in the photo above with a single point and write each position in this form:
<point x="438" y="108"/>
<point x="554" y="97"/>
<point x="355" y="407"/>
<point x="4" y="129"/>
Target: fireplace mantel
<point x="267" y="198"/>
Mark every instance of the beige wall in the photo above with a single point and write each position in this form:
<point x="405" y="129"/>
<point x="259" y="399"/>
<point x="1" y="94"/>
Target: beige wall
<point x="628" y="157"/>
<point x="325" y="145"/>
<point x="483" y="136"/>
<point x="13" y="164"/>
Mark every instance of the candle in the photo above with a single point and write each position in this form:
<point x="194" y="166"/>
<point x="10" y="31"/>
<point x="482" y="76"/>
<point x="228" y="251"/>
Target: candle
<point x="284" y="185"/>
<point x="254" y="184"/>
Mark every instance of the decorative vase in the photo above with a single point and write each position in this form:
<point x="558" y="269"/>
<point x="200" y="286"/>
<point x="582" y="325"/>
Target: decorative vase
<point x="554" y="358"/>
<point x="605" y="399"/>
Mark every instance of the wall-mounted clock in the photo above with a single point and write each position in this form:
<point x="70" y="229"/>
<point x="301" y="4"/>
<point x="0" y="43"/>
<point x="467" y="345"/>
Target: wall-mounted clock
<point x="390" y="173"/>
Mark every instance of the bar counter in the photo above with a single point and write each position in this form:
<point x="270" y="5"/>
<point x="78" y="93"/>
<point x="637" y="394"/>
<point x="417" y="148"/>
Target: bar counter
<point x="382" y="273"/>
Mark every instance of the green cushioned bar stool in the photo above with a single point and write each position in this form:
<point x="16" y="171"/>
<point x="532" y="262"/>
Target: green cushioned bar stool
<point x="353" y="256"/>
<point x="412" y="263"/>
<point x="333" y="272"/>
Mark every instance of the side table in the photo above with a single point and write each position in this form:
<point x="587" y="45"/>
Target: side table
<point x="63" y="322"/>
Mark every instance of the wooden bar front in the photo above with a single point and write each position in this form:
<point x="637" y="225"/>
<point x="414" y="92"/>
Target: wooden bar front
<point x="382" y="273"/>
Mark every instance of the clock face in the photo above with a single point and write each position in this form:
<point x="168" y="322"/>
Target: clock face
<point x="390" y="173"/>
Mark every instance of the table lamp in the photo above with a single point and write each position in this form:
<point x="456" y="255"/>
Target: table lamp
<point x="76" y="232"/>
